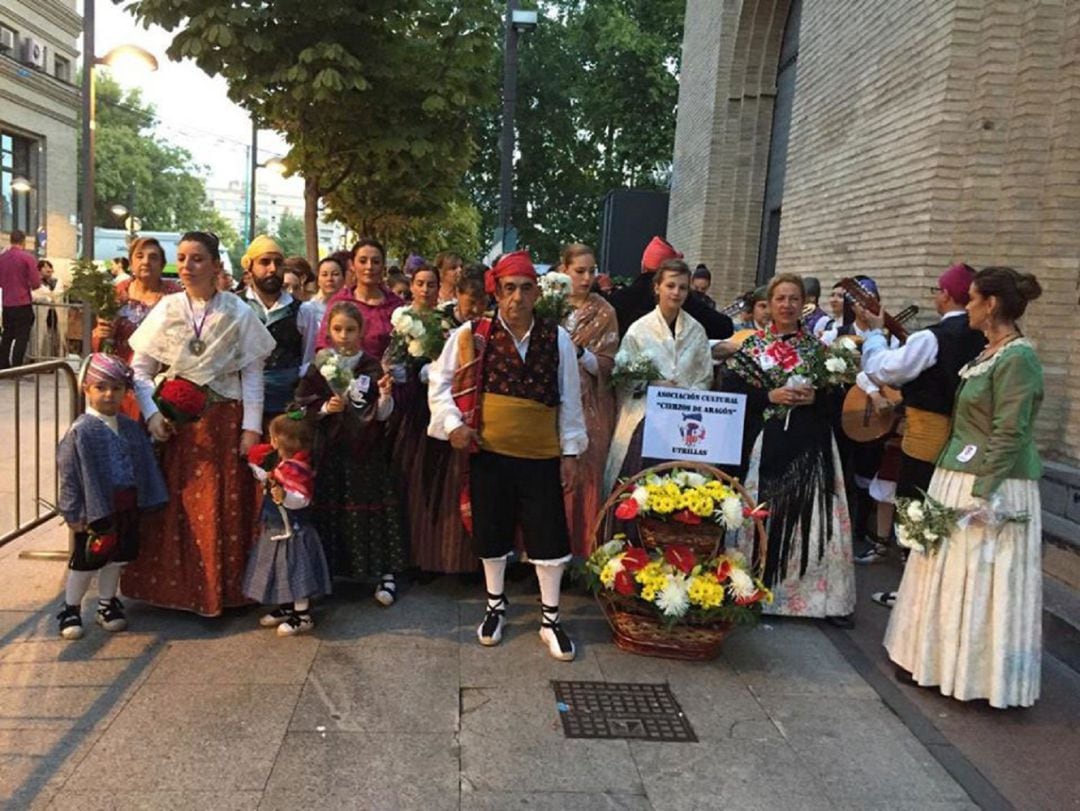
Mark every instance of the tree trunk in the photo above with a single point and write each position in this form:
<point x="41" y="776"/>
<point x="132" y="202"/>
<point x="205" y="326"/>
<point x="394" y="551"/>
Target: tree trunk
<point x="311" y="219"/>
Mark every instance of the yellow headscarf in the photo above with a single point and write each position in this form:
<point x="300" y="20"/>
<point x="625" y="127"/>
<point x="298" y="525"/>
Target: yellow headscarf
<point x="262" y="244"/>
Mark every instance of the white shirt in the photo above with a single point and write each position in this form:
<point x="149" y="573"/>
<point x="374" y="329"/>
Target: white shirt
<point x="284" y="300"/>
<point x="894" y="367"/>
<point x="112" y="422"/>
<point x="446" y="416"/>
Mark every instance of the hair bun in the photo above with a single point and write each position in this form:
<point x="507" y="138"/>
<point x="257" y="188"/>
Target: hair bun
<point x="1028" y="286"/>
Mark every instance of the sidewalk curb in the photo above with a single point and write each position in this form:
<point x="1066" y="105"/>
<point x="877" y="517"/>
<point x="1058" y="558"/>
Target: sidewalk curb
<point x="963" y="771"/>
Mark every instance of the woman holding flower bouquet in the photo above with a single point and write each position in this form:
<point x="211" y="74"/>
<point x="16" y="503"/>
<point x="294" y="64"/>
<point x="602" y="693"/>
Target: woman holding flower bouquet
<point x="968" y="614"/>
<point x="676" y="350"/>
<point x="594" y="330"/>
<point x="357" y="506"/>
<point x="207" y="350"/>
<point x="792" y="463"/>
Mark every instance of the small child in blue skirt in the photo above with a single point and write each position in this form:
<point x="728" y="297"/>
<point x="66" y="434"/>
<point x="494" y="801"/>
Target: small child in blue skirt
<point x="287" y="565"/>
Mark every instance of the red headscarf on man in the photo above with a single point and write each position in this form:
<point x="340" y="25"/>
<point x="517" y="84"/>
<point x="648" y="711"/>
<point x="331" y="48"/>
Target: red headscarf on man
<point x="517" y="263"/>
<point x="656" y="253"/>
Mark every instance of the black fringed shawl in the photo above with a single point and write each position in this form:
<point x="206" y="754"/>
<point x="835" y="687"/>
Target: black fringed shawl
<point x="796" y="470"/>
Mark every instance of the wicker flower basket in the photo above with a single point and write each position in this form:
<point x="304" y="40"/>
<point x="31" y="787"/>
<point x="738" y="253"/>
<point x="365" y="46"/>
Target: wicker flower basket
<point x="704" y="538"/>
<point x="637" y="631"/>
<point x="634" y="627"/>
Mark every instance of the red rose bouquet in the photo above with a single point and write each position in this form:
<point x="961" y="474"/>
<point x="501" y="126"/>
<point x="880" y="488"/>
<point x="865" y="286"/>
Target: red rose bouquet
<point x="180" y="400"/>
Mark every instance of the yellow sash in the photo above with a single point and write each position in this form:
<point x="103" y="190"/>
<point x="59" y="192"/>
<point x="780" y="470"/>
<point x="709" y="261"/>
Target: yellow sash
<point x="514" y="426"/>
<point x="925" y="434"/>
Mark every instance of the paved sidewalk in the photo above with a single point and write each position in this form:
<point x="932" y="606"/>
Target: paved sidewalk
<point x="400" y="708"/>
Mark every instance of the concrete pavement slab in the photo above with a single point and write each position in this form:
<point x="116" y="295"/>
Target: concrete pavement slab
<point x="792" y="657"/>
<point x="741" y="774"/>
<point x="352" y="615"/>
<point x="256" y="657"/>
<point x="92" y="673"/>
<point x="183" y="737"/>
<point x="374" y="688"/>
<point x="97" y="645"/>
<point x="353" y="770"/>
<point x="860" y="750"/>
<point x="68" y="708"/>
<point x="156" y="801"/>
<point x="512" y="740"/>
<point x="552" y="801"/>
<point x="35" y="763"/>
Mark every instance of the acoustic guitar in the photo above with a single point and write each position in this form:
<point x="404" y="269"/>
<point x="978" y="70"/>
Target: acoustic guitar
<point x="858" y="417"/>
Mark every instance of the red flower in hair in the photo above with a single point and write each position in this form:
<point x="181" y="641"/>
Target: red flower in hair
<point x="681" y="557"/>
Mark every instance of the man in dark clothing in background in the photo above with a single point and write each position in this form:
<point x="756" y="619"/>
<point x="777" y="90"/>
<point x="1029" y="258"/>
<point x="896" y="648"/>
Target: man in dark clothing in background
<point x="638" y="299"/>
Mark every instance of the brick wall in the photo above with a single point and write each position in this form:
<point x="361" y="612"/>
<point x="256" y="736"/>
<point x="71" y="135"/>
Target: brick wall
<point x="922" y="133"/>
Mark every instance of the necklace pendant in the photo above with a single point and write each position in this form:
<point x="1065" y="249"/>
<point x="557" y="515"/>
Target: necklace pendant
<point x="197" y="346"/>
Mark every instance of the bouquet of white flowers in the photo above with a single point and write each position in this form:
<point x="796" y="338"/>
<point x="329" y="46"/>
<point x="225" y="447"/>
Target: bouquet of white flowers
<point x="842" y="362"/>
<point x="417" y="335"/>
<point x="635" y="372"/>
<point x="554" y="292"/>
<point x="335" y="371"/>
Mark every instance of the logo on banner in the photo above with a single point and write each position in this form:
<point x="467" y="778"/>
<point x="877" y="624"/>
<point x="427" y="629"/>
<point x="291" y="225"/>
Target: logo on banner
<point x="692" y="430"/>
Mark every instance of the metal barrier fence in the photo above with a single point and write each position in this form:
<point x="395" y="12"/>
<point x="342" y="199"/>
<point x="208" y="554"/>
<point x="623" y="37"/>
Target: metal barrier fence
<point x="17" y="386"/>
<point x="59" y="330"/>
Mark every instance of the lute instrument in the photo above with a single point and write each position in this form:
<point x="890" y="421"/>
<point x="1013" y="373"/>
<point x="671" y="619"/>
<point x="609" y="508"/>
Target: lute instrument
<point x="858" y="418"/>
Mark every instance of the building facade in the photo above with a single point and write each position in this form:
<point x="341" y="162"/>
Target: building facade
<point x="39" y="106"/>
<point x="892" y="139"/>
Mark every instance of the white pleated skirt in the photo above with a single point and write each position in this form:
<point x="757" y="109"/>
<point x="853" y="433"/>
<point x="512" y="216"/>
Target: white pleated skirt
<point x="968" y="619"/>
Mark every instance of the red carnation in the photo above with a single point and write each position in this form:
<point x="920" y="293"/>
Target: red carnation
<point x="258" y="453"/>
<point x="686" y="517"/>
<point x="636" y="559"/>
<point x="627" y="510"/>
<point x="181" y="400"/>
<point x="681" y="557"/>
<point x="624" y="583"/>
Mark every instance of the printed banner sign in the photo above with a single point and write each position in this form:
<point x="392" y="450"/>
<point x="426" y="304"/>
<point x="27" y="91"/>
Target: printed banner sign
<point x="699" y="426"/>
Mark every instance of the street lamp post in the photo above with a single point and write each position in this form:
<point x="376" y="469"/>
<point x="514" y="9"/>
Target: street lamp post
<point x="274" y="164"/>
<point x="121" y="53"/>
<point x="517" y="21"/>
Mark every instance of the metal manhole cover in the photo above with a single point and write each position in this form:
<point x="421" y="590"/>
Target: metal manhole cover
<point x="600" y="709"/>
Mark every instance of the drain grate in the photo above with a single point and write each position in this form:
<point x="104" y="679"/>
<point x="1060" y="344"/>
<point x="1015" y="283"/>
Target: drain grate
<point x="600" y="709"/>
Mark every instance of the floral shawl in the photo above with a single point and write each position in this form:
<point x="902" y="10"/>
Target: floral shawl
<point x="767" y="360"/>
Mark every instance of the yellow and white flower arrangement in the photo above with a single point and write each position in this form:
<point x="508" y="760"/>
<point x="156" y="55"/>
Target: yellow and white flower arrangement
<point x="686" y="497"/>
<point x="676" y="584"/>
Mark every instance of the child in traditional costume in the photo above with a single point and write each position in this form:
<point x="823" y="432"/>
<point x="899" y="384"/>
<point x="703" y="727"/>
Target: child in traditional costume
<point x="358" y="511"/>
<point x="107" y="477"/>
<point x="287" y="564"/>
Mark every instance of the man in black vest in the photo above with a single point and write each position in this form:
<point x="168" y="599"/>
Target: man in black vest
<point x="264" y="261"/>
<point x="927" y="371"/>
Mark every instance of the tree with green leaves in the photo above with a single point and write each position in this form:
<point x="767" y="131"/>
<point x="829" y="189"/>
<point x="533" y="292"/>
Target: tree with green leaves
<point x="375" y="99"/>
<point x="136" y="168"/>
<point x="597" y="94"/>
<point x="290" y="234"/>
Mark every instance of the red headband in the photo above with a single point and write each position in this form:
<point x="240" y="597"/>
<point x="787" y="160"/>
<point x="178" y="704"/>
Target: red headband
<point x="518" y="263"/>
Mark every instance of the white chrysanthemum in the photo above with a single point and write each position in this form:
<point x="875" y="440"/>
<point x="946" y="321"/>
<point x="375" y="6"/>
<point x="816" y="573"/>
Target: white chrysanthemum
<point x="847" y="344"/>
<point x="915" y="511"/>
<point x="674" y="599"/>
<point x="732" y="508"/>
<point x="741" y="584"/>
<point x="835" y="364"/>
<point x="640" y="495"/>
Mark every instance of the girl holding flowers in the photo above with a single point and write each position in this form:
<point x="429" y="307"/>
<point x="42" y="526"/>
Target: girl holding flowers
<point x="792" y="463"/>
<point x="680" y="350"/>
<point x="357" y="508"/>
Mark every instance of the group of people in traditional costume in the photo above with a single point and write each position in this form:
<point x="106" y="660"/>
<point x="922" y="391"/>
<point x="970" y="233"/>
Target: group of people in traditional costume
<point x="509" y="440"/>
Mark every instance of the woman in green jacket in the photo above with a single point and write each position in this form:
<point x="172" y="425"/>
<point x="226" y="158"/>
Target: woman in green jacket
<point x="968" y="617"/>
